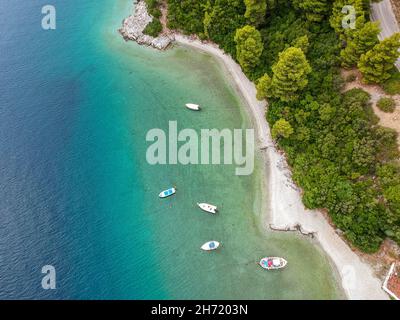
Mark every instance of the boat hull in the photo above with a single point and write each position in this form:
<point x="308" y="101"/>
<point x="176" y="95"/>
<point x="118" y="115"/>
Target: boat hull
<point x="193" y="106"/>
<point x="210" y="246"/>
<point x="273" y="263"/>
<point x="167" y="193"/>
<point x="208" y="208"/>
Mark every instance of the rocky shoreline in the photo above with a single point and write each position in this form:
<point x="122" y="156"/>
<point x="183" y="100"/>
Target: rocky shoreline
<point x="134" y="25"/>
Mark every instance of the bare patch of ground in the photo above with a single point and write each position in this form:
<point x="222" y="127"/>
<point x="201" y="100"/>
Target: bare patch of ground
<point x="390" y="120"/>
<point x="164" y="18"/>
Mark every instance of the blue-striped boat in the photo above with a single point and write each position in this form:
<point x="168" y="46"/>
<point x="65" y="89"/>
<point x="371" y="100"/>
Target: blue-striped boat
<point x="167" y="193"/>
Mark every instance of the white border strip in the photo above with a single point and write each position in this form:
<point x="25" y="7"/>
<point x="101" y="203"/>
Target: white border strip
<point x="384" y="287"/>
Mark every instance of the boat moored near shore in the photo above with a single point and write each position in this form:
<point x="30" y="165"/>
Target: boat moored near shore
<point x="208" y="207"/>
<point x="193" y="106"/>
<point x="167" y="193"/>
<point x="273" y="263"/>
<point x="210" y="246"/>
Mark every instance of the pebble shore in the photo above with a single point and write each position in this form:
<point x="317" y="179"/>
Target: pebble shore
<point x="134" y="25"/>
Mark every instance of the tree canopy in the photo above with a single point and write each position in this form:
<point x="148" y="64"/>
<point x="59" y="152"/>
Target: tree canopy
<point x="341" y="17"/>
<point x="249" y="47"/>
<point x="376" y="64"/>
<point x="289" y="75"/>
<point x="362" y="41"/>
<point x="255" y="11"/>
<point x="281" y="128"/>
<point x="315" y="10"/>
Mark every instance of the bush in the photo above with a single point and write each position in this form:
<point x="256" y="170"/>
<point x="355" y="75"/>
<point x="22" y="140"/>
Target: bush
<point x="392" y="86"/>
<point x="153" y="28"/>
<point x="153" y="8"/>
<point x="281" y="128"/>
<point x="386" y="104"/>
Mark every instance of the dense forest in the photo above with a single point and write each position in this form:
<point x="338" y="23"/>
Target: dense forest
<point x="293" y="50"/>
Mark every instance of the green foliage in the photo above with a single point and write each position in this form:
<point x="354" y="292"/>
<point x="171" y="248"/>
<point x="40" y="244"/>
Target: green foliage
<point x="377" y="63"/>
<point x="255" y="11"/>
<point x="282" y="33"/>
<point x="392" y="195"/>
<point x="315" y="10"/>
<point x="263" y="87"/>
<point x="289" y="74"/>
<point x="281" y="128"/>
<point x="153" y="28"/>
<point x="361" y="42"/>
<point x="387" y="148"/>
<point x="302" y="43"/>
<point x="333" y="151"/>
<point x="187" y="15"/>
<point x="392" y="85"/>
<point x="221" y="19"/>
<point x="338" y="17"/>
<point x="153" y="7"/>
<point x="388" y="181"/>
<point x="249" y="47"/>
<point x="386" y="104"/>
<point x="358" y="36"/>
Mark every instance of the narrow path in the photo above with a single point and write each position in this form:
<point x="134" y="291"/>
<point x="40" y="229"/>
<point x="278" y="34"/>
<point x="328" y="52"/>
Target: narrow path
<point x="164" y="18"/>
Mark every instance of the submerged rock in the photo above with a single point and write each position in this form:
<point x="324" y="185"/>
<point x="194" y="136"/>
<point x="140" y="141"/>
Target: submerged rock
<point x="134" y="25"/>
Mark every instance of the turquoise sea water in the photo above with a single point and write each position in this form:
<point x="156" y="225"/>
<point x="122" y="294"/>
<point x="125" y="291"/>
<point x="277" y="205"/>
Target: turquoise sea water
<point x="77" y="193"/>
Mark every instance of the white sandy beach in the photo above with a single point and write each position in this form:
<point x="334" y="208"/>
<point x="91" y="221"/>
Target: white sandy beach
<point x="285" y="205"/>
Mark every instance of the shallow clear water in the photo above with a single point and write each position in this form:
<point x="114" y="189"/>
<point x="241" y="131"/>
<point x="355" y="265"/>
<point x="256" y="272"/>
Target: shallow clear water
<point x="77" y="192"/>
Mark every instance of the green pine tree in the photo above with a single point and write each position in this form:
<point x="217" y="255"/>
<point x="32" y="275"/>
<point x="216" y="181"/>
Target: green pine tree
<point x="263" y="87"/>
<point x="290" y="74"/>
<point x="338" y="17"/>
<point x="315" y="10"/>
<point x="302" y="42"/>
<point x="249" y="47"/>
<point x="376" y="64"/>
<point x="255" y="11"/>
<point x="363" y="40"/>
<point x="281" y="128"/>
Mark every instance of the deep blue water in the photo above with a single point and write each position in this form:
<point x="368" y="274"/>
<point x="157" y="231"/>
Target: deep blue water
<point x="66" y="164"/>
<point x="76" y="192"/>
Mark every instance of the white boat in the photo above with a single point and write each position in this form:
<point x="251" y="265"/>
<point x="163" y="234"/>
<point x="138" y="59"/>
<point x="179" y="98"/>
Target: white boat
<point x="167" y="193"/>
<point x="211" y="245"/>
<point x="273" y="263"/>
<point x="208" y="207"/>
<point x="193" y="106"/>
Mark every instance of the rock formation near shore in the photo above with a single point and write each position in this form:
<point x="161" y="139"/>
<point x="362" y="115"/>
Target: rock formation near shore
<point x="134" y="25"/>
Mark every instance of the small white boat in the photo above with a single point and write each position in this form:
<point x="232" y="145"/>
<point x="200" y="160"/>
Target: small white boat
<point x="273" y="263"/>
<point x="167" y="193"/>
<point x="208" y="207"/>
<point x="211" y="245"/>
<point x="193" y="106"/>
